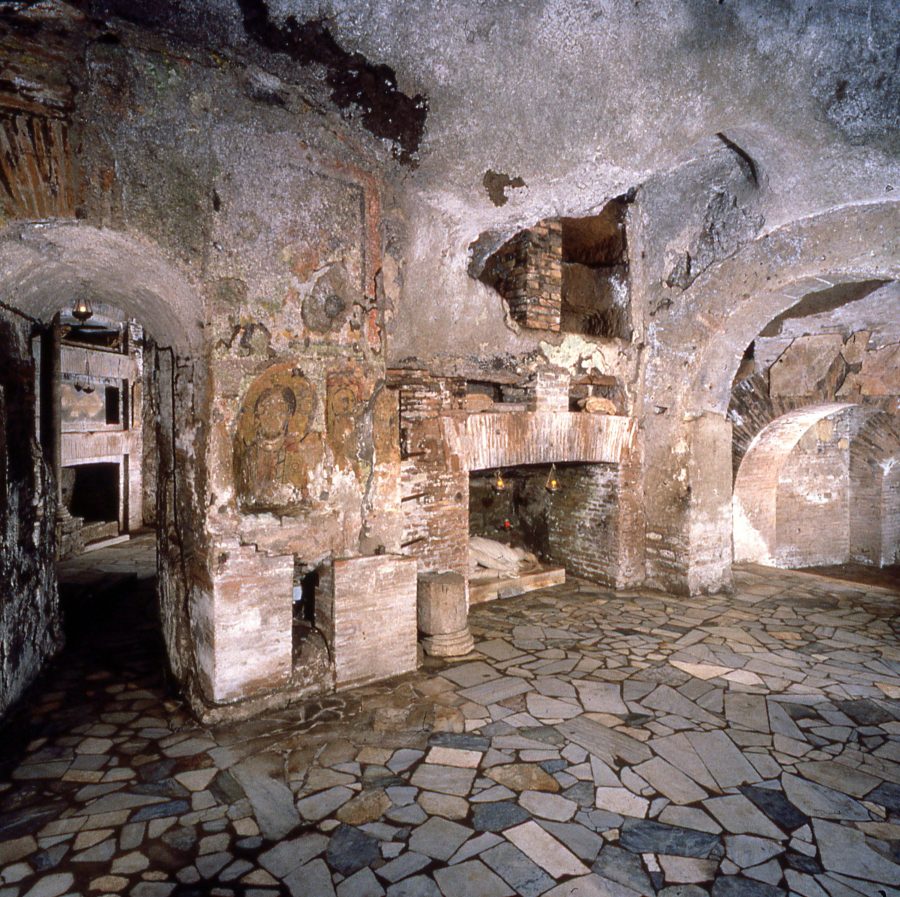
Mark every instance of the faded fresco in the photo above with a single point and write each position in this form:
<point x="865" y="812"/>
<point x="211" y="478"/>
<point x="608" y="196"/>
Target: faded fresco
<point x="342" y="416"/>
<point x="276" y="447"/>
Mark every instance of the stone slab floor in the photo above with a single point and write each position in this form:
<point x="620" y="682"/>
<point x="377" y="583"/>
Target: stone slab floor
<point x="594" y="744"/>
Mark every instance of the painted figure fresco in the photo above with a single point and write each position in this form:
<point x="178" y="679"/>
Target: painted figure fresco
<point x="341" y="415"/>
<point x="276" y="448"/>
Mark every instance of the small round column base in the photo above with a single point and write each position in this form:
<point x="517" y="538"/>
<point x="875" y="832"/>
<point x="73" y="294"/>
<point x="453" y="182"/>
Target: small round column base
<point x="452" y="644"/>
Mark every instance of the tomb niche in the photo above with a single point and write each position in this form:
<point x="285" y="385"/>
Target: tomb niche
<point x="276" y="448"/>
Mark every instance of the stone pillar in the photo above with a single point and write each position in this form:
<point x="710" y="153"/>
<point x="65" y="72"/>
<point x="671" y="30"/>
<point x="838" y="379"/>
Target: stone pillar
<point x="709" y="508"/>
<point x="687" y="496"/>
<point x="443" y="615"/>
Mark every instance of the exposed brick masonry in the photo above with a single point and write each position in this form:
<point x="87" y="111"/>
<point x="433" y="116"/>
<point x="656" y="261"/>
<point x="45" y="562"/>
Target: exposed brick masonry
<point x="527" y="272"/>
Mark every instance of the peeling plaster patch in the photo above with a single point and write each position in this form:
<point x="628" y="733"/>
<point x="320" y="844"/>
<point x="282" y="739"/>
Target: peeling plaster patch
<point x="749" y="543"/>
<point x="497" y="184"/>
<point x="576" y="354"/>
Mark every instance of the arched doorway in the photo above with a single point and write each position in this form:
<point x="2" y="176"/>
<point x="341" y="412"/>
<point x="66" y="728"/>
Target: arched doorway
<point x="43" y="268"/>
<point x="687" y="475"/>
<point x="814" y="489"/>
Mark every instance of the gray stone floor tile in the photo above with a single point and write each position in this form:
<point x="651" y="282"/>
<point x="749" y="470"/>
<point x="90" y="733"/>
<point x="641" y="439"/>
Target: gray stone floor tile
<point x="844" y="850"/>
<point x="360" y="884"/>
<point x="729" y="767"/>
<point x="471" y="878"/>
<point x="739" y="816"/>
<point x="403" y="866"/>
<point x="438" y="838"/>
<point x="445" y="779"/>
<point x="517" y="870"/>
<point x="417" y="886"/>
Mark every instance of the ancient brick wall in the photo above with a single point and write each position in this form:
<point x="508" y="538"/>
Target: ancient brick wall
<point x="583" y="522"/>
<point x="890" y="512"/>
<point x="39" y="75"/>
<point x="527" y="272"/>
<point x="812" y="513"/>
<point x="874" y="512"/>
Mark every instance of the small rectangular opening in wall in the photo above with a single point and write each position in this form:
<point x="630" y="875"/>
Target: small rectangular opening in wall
<point x="311" y="662"/>
<point x="95" y="492"/>
<point x="306" y="582"/>
<point x="113" y="405"/>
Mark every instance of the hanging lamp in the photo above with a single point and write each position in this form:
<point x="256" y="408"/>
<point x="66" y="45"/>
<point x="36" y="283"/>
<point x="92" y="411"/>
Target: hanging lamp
<point x="552" y="484"/>
<point x="82" y="309"/>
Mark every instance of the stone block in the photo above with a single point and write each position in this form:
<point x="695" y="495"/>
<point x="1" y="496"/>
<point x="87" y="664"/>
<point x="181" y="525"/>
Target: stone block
<point x="803" y="367"/>
<point x="551" y="392"/>
<point x="251" y="624"/>
<point x="367" y="610"/>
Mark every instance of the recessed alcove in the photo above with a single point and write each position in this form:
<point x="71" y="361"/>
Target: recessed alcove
<point x="566" y="274"/>
<point x="515" y="515"/>
<point x="595" y="295"/>
<point x="95" y="492"/>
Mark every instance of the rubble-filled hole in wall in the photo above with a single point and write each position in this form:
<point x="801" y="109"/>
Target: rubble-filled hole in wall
<point x="565" y="274"/>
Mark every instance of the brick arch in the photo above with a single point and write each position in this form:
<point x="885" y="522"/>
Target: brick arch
<point x="695" y="349"/>
<point x="42" y="265"/>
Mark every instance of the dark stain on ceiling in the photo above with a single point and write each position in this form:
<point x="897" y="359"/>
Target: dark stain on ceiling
<point x="387" y="112"/>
